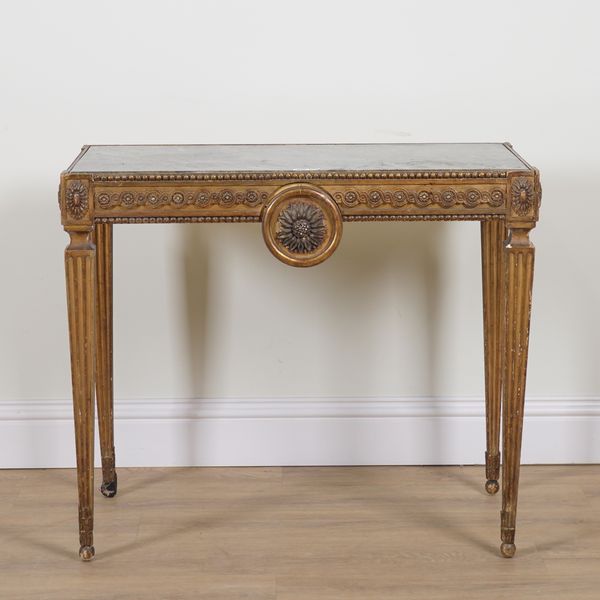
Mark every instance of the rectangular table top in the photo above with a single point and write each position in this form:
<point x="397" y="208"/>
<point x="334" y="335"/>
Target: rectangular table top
<point x="297" y="157"/>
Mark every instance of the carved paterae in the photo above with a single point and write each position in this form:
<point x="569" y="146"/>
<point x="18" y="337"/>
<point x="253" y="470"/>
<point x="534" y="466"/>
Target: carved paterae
<point x="179" y="198"/>
<point x="434" y="217"/>
<point x="76" y="200"/>
<point x="397" y="198"/>
<point x="301" y="227"/>
<point x="302" y="224"/>
<point x="523" y="196"/>
<point x="426" y="198"/>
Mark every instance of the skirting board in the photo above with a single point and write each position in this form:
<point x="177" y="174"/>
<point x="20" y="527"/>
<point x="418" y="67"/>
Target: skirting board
<point x="299" y="431"/>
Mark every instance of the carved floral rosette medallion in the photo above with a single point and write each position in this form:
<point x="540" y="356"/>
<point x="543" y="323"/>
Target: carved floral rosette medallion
<point x="523" y="196"/>
<point x="76" y="200"/>
<point x="302" y="224"/>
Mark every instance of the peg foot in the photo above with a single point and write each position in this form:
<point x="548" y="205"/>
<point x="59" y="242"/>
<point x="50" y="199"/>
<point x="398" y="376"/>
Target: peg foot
<point x="492" y="486"/>
<point x="109" y="489"/>
<point x="86" y="553"/>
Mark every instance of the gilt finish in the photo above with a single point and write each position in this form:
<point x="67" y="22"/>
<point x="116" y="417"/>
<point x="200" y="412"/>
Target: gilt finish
<point x="301" y="195"/>
<point x="493" y="234"/>
<point x="302" y="225"/>
<point x="80" y="276"/>
<point x="518" y="286"/>
<point x="104" y="356"/>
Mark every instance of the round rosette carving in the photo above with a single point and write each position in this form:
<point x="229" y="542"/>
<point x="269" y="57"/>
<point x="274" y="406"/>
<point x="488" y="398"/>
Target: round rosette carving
<point x="302" y="225"/>
<point x="76" y="200"/>
<point x="522" y="196"/>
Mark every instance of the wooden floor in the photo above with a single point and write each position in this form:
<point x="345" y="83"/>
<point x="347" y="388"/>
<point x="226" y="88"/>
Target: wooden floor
<point x="302" y="534"/>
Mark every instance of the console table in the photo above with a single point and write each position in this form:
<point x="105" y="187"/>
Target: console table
<point x="301" y="195"/>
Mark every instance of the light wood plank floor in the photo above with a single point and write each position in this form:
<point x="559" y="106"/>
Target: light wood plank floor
<point x="302" y="534"/>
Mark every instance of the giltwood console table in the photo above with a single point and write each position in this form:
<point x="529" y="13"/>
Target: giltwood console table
<point x="301" y="195"/>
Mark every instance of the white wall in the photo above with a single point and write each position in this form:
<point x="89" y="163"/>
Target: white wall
<point x="226" y="356"/>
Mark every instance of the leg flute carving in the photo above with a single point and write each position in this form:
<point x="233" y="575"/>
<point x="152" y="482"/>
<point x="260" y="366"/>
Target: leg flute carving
<point x="493" y="235"/>
<point x="519" y="257"/>
<point x="104" y="356"/>
<point x="80" y="275"/>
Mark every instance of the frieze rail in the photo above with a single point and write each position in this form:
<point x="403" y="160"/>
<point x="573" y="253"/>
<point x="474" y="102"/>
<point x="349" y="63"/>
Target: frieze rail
<point x="179" y="198"/>
<point x="444" y="198"/>
<point x="158" y="200"/>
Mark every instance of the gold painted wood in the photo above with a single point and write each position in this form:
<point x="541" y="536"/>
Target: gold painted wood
<point x="302" y="225"/>
<point x="493" y="235"/>
<point x="104" y="355"/>
<point x="519" y="257"/>
<point x="80" y="275"/>
<point x="118" y="200"/>
<point x="500" y="199"/>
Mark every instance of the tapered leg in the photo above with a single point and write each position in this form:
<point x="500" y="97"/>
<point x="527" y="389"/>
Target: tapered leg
<point x="104" y="356"/>
<point x="80" y="262"/>
<point x="493" y="235"/>
<point x="519" y="257"/>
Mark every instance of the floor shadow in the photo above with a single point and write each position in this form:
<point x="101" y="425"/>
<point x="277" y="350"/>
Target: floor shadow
<point x="152" y="479"/>
<point x="38" y="542"/>
<point x="396" y="506"/>
<point x="475" y="485"/>
<point x="254" y="504"/>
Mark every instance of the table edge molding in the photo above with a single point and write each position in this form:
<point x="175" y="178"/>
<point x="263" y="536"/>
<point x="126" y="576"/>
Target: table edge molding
<point x="295" y="175"/>
<point x="257" y="219"/>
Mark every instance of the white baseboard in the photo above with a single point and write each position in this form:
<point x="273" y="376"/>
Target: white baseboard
<point x="299" y="431"/>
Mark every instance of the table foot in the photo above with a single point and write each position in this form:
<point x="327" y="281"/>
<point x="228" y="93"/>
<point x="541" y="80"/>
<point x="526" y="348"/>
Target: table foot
<point x="109" y="488"/>
<point x="508" y="550"/>
<point x="86" y="553"/>
<point x="492" y="486"/>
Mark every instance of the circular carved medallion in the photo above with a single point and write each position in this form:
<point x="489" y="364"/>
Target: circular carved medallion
<point x="76" y="200"/>
<point x="522" y="196"/>
<point x="302" y="225"/>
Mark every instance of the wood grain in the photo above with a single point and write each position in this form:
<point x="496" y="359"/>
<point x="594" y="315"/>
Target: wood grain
<point x="379" y="533"/>
<point x="493" y="235"/>
<point x="519" y="255"/>
<point x="104" y="355"/>
<point x="80" y="259"/>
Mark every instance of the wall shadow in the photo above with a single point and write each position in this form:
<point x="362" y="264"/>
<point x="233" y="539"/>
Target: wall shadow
<point x="33" y="315"/>
<point x="396" y="255"/>
<point x="195" y="264"/>
<point x="400" y="253"/>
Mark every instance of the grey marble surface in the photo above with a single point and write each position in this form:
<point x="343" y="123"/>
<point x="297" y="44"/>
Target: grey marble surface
<point x="315" y="157"/>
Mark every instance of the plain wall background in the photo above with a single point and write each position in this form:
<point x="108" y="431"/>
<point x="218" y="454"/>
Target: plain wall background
<point x="285" y="364"/>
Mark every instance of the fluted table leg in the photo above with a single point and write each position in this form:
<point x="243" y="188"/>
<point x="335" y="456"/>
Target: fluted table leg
<point x="80" y="262"/>
<point x="104" y="356"/>
<point x="519" y="256"/>
<point x="493" y="235"/>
